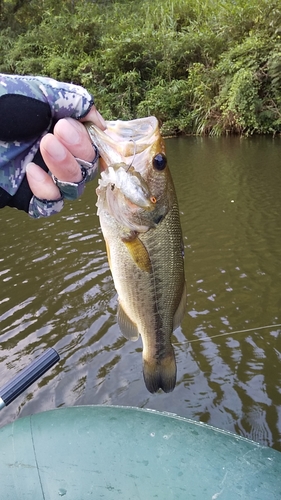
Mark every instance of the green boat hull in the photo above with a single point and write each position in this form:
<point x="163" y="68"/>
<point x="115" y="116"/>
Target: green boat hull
<point x="104" y="452"/>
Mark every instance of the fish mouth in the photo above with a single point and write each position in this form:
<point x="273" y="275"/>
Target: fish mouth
<point x="127" y="185"/>
<point x="127" y="142"/>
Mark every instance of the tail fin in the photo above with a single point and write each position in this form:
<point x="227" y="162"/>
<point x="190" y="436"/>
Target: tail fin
<point x="160" y="373"/>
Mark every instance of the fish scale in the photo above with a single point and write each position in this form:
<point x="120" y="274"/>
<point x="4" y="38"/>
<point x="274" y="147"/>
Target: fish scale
<point x="165" y="251"/>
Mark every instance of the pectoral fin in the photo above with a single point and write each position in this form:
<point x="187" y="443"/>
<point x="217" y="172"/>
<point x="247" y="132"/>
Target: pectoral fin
<point x="139" y="254"/>
<point x="127" y="327"/>
<point x="179" y="314"/>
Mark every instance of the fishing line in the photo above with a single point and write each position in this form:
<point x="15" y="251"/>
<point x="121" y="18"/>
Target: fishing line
<point x="206" y="339"/>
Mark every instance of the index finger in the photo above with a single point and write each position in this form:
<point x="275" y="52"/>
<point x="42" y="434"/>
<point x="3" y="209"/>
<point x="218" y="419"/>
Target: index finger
<point x="95" y="117"/>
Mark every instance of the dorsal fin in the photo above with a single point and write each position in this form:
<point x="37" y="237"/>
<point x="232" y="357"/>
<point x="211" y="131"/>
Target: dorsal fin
<point x="179" y="314"/>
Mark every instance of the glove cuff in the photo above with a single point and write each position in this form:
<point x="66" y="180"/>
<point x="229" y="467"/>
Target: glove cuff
<point x="44" y="208"/>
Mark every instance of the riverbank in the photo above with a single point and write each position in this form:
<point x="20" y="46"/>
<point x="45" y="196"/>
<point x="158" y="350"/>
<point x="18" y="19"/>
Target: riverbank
<point x="211" y="67"/>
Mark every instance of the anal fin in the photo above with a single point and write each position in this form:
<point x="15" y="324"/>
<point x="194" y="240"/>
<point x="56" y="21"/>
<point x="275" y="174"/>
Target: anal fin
<point x="127" y="327"/>
<point x="108" y="253"/>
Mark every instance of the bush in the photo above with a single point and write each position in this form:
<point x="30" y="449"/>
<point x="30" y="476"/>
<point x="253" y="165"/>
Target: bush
<point x="203" y="67"/>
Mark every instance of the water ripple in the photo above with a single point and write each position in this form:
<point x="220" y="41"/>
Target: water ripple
<point x="57" y="291"/>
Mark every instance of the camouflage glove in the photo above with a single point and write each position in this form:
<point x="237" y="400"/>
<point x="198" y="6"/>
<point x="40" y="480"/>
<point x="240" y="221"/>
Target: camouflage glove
<point x="29" y="108"/>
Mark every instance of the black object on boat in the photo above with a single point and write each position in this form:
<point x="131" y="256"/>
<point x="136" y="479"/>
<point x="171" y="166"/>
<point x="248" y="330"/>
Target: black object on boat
<point x="27" y="376"/>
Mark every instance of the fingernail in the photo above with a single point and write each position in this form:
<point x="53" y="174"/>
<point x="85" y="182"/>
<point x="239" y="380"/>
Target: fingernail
<point x="37" y="173"/>
<point x="71" y="131"/>
<point x="56" y="150"/>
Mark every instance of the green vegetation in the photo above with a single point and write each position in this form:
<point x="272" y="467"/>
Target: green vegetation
<point x="200" y="66"/>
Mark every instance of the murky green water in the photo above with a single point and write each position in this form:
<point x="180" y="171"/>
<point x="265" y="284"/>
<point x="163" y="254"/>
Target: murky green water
<point x="56" y="291"/>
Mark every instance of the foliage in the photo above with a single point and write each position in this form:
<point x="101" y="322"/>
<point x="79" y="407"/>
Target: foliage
<point x="200" y="66"/>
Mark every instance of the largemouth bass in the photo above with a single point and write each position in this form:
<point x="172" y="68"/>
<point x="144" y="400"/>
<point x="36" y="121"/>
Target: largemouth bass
<point x="139" y="217"/>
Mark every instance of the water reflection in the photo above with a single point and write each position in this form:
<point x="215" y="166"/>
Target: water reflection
<point x="57" y="291"/>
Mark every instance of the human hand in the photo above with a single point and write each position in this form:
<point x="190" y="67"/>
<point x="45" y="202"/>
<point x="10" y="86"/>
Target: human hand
<point x="31" y="107"/>
<point x="70" y="139"/>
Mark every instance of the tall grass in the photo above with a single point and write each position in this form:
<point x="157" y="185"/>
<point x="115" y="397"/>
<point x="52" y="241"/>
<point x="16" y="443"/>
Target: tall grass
<point x="201" y="66"/>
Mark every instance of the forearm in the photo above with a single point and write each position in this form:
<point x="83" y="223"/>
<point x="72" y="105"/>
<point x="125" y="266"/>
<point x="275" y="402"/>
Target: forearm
<point x="28" y="105"/>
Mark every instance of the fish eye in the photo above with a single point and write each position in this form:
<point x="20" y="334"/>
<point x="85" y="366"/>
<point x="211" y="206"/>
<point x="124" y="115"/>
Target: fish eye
<point x="159" y="162"/>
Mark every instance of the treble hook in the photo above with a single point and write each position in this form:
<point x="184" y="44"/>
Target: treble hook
<point x="134" y="155"/>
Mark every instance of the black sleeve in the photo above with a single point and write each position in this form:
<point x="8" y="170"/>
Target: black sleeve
<point x="33" y="119"/>
<point x="22" y="197"/>
<point x="22" y="117"/>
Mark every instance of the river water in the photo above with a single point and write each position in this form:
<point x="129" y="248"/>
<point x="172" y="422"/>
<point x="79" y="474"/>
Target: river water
<point x="57" y="291"/>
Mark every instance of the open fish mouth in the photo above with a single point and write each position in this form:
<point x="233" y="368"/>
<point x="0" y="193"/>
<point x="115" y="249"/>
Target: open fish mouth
<point x="126" y="142"/>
